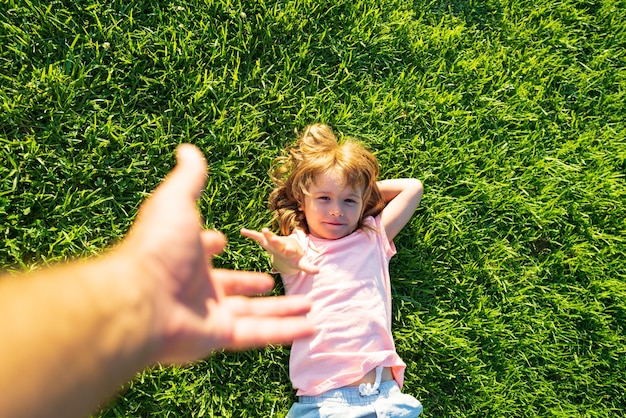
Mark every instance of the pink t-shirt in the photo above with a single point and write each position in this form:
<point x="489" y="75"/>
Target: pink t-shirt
<point x="351" y="311"/>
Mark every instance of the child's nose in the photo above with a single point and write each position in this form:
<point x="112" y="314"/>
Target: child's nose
<point x="336" y="211"/>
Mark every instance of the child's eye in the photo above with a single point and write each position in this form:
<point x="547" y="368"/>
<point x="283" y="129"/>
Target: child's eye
<point x="323" y="198"/>
<point x="350" y="201"/>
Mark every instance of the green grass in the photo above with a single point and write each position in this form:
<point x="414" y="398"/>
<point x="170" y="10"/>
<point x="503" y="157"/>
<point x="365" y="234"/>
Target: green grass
<point x="509" y="284"/>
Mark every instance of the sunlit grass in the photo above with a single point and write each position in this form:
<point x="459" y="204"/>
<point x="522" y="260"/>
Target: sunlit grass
<point x="509" y="284"/>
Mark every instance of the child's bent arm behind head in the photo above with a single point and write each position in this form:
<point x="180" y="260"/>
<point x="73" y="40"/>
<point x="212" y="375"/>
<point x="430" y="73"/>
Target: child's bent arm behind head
<point x="402" y="197"/>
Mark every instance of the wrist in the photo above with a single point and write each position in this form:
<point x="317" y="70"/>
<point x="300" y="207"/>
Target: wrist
<point x="135" y="310"/>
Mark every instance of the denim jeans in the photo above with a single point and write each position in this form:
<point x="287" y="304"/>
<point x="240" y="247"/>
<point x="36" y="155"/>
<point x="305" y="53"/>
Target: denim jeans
<point x="347" y="402"/>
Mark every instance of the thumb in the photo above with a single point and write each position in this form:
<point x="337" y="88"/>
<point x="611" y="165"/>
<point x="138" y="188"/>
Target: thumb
<point x="189" y="175"/>
<point x="182" y="186"/>
<point x="307" y="266"/>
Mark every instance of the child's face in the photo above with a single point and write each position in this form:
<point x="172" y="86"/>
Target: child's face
<point x="332" y="210"/>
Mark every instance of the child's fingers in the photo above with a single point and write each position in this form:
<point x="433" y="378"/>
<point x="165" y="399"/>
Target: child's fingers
<point x="307" y="266"/>
<point x="268" y="240"/>
<point x="282" y="247"/>
<point x="275" y="242"/>
<point x="254" y="235"/>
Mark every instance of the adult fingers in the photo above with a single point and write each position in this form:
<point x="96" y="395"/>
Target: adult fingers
<point x="213" y="242"/>
<point x="189" y="175"/>
<point x="255" y="332"/>
<point x="270" y="306"/>
<point x="242" y="282"/>
<point x="183" y="185"/>
<point x="272" y="320"/>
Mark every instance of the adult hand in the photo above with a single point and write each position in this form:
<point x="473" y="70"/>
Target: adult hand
<point x="198" y="308"/>
<point x="89" y="326"/>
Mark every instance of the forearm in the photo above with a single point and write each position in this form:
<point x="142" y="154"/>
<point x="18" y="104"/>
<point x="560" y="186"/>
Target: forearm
<point x="391" y="188"/>
<point x="82" y="326"/>
<point x="71" y="335"/>
<point x="402" y="197"/>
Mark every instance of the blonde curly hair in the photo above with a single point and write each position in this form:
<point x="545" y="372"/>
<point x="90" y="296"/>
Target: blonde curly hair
<point x="319" y="151"/>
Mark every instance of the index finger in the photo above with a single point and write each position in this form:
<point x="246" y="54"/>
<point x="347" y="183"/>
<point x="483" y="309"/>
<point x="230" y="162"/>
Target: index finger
<point x="255" y="235"/>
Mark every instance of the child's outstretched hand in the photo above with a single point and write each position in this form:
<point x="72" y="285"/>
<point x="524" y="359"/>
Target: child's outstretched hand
<point x="287" y="255"/>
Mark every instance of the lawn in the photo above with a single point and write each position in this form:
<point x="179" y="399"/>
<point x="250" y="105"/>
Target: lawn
<point x="510" y="280"/>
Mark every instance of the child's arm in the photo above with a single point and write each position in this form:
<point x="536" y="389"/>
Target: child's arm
<point x="287" y="254"/>
<point x="402" y="197"/>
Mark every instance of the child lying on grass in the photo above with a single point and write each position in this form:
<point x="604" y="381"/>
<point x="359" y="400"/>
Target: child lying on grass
<point x="338" y="224"/>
